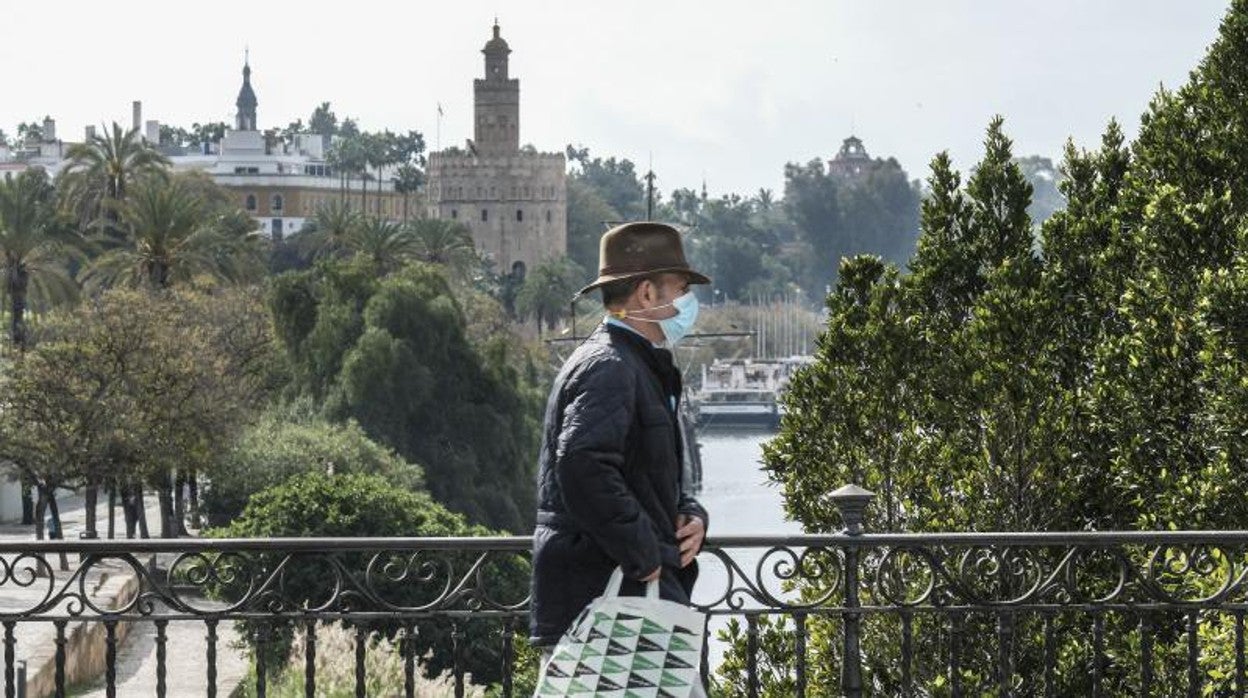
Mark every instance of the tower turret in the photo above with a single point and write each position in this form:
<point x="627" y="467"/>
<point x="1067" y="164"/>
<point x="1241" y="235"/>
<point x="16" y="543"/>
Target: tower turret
<point x="245" y="120"/>
<point x="497" y="125"/>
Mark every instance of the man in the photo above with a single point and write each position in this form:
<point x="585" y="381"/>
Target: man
<point x="610" y="488"/>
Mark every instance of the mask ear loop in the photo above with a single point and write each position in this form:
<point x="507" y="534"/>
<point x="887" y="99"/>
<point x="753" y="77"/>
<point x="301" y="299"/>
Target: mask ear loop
<point x="622" y="314"/>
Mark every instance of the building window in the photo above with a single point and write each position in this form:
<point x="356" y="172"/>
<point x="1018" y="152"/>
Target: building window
<point x="547" y="216"/>
<point x="519" y="215"/>
<point x="251" y="202"/>
<point x="485" y="215"/>
<point x="454" y="214"/>
<point x="277" y="202"/>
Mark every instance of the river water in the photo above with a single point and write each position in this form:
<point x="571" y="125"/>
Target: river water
<point x="740" y="501"/>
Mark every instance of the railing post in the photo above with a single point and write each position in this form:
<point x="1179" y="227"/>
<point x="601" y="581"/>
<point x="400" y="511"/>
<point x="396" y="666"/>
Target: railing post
<point x="851" y="501"/>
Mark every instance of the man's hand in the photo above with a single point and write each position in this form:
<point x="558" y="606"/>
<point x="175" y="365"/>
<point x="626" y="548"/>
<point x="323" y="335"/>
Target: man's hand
<point x="690" y="531"/>
<point x="653" y="575"/>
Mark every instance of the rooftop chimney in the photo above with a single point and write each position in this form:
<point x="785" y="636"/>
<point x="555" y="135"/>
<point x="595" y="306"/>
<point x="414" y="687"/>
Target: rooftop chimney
<point x="153" y="132"/>
<point x="49" y="129"/>
<point x="90" y="133"/>
<point x="138" y="115"/>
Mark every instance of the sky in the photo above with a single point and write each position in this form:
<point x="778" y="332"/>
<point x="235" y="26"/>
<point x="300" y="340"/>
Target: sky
<point x="722" y="91"/>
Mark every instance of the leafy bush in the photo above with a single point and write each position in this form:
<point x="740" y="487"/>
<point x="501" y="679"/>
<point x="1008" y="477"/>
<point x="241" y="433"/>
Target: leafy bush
<point x="277" y="448"/>
<point x="347" y="505"/>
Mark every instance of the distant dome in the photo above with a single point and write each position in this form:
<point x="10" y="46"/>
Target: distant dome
<point x="246" y="96"/>
<point x="498" y="44"/>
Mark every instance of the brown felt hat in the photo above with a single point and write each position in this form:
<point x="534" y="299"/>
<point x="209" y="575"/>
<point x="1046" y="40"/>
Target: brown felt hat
<point x="640" y="249"/>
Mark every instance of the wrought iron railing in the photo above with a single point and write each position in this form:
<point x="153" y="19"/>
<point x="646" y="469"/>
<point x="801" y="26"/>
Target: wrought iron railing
<point x="1159" y="613"/>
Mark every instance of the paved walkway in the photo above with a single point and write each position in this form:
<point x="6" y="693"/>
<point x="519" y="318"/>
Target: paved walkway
<point x="136" y="665"/>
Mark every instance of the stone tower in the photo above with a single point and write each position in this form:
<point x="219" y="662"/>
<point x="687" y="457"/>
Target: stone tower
<point x="245" y="120"/>
<point x="497" y="102"/>
<point x="513" y="200"/>
<point x="852" y="160"/>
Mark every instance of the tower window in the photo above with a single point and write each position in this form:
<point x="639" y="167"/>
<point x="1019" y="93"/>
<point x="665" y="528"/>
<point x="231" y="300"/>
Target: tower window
<point x="251" y="202"/>
<point x="548" y="216"/>
<point x="519" y="215"/>
<point x="485" y="214"/>
<point x="277" y="202"/>
<point x="454" y="214"/>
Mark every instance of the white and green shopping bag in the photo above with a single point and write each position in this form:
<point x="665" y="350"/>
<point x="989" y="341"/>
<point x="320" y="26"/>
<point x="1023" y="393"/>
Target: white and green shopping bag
<point x="627" y="647"/>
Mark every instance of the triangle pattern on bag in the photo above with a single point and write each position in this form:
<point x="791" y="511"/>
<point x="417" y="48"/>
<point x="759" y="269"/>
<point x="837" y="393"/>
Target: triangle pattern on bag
<point x="595" y="634"/>
<point x="583" y="669"/>
<point x="610" y="666"/>
<point x="550" y="688"/>
<point x="639" y="681"/>
<point x="557" y="671"/>
<point x="578" y="687"/>
<point x="641" y="662"/>
<point x="675" y="662"/>
<point x="615" y="649"/>
<point x="671" y="680"/>
<point x="621" y="630"/>
<point x="649" y="627"/>
<point x="683" y="630"/>
<point x="645" y="644"/>
<point x="605" y="684"/>
<point x="677" y="643"/>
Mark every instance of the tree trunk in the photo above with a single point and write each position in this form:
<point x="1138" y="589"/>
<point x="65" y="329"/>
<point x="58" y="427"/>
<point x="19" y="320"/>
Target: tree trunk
<point x="192" y="482"/>
<point x="18" y="278"/>
<point x="140" y="510"/>
<point x="41" y="506"/>
<point x="28" y="502"/>
<point x="128" y="511"/>
<point x="364" y="194"/>
<point x="92" y="495"/>
<point x="112" y="510"/>
<point x="58" y="532"/>
<point x="179" y="503"/>
<point x="164" y="501"/>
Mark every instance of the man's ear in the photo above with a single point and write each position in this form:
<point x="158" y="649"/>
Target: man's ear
<point x="647" y="293"/>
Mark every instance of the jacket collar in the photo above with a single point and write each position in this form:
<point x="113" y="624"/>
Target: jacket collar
<point x="659" y="360"/>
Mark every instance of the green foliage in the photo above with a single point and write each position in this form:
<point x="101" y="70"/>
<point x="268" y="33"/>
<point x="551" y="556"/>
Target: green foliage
<point x="281" y="445"/>
<point x="393" y="355"/>
<point x="351" y="505"/>
<point x="36" y="246"/>
<point x="836" y="217"/>
<point x="176" y="229"/>
<point x="1094" y="382"/>
<point x="102" y="171"/>
<point x="136" y="385"/>
<point x="547" y="291"/>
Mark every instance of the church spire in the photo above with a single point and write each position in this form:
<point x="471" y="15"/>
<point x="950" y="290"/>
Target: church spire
<point x="245" y="120"/>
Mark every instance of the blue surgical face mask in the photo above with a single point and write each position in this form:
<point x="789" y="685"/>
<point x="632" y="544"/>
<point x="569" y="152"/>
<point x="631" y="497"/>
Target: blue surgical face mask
<point x="674" y="328"/>
<point x="677" y="326"/>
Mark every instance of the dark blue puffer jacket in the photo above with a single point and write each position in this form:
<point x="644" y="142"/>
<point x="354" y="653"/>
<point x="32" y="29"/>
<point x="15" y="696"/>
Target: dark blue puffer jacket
<point x="609" y="483"/>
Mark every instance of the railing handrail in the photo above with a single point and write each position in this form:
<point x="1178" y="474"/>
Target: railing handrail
<point x="520" y="543"/>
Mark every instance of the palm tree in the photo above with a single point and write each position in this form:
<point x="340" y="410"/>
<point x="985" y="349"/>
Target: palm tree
<point x="172" y="235"/>
<point x="34" y="246"/>
<point x="102" y="171"/>
<point x="389" y="245"/>
<point x="547" y="291"/>
<point x="446" y="243"/>
<point x="327" y="233"/>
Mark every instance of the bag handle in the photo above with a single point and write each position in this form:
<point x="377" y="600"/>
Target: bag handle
<point x="617" y="578"/>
